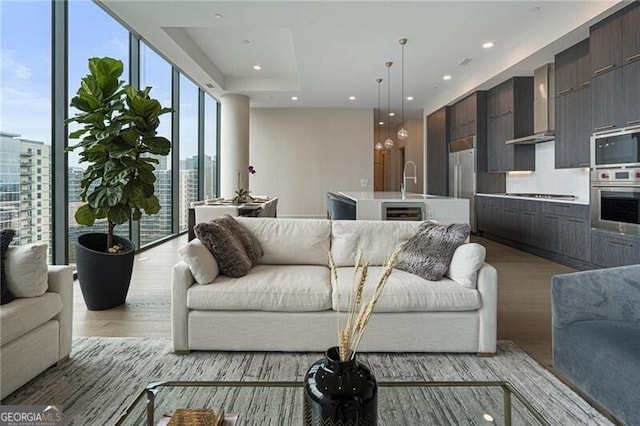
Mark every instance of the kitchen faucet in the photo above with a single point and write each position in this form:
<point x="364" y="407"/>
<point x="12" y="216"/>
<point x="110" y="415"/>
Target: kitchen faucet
<point x="403" y="185"/>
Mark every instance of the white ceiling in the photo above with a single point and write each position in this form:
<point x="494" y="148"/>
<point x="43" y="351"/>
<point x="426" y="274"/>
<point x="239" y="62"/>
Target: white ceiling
<point x="325" y="51"/>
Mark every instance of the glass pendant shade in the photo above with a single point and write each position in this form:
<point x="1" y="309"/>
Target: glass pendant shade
<point x="379" y="146"/>
<point x="403" y="134"/>
<point x="388" y="143"/>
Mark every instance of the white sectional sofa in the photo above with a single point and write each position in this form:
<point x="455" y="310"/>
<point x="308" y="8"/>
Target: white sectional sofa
<point x="287" y="301"/>
<point x="36" y="331"/>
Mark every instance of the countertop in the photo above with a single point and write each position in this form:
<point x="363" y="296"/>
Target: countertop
<point x="550" y="200"/>
<point x="389" y="196"/>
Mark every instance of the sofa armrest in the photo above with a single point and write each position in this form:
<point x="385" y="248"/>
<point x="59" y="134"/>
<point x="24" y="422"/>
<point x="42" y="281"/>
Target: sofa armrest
<point x="60" y="280"/>
<point x="601" y="294"/>
<point x="181" y="280"/>
<point x="488" y="313"/>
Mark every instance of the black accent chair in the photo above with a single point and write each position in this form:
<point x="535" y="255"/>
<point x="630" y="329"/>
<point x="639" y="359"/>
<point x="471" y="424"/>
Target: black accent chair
<point x="340" y="207"/>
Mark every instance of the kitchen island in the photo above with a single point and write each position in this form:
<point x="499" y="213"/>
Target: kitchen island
<point x="376" y="205"/>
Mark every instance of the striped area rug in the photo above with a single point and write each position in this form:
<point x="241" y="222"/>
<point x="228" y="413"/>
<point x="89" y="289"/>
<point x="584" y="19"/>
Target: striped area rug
<point x="104" y="375"/>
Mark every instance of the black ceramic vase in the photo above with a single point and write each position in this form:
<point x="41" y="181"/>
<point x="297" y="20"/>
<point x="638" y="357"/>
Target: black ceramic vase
<point x="340" y="393"/>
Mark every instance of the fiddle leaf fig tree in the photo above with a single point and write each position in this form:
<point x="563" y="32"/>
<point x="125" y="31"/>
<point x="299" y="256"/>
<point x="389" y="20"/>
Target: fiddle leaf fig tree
<point x="118" y="139"/>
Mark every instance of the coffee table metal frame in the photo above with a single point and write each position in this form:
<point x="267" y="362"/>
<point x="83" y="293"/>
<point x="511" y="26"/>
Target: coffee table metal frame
<point x="154" y="387"/>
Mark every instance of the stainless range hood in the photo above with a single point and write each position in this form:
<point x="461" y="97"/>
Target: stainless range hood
<point x="543" y="107"/>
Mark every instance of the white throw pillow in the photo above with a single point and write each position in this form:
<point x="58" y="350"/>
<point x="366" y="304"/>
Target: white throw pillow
<point x="26" y="270"/>
<point x="465" y="264"/>
<point x="203" y="265"/>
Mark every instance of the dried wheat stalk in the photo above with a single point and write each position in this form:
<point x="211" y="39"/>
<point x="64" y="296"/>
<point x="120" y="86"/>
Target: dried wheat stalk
<point x="359" y="313"/>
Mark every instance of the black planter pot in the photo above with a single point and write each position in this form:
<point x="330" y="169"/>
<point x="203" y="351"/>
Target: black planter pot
<point x="340" y="393"/>
<point x="104" y="277"/>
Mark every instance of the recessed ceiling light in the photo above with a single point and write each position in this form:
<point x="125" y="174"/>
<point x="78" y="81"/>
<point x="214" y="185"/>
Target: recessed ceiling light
<point x="392" y="114"/>
<point x="409" y="98"/>
<point x="352" y="98"/>
<point x="294" y="98"/>
<point x="219" y="16"/>
<point x="257" y="67"/>
<point x="246" y="41"/>
<point x="380" y="123"/>
<point x="488" y="45"/>
<point x="446" y="77"/>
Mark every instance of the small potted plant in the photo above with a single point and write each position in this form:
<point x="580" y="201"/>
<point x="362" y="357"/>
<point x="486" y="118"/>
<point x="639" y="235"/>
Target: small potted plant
<point x="243" y="195"/>
<point x="119" y="142"/>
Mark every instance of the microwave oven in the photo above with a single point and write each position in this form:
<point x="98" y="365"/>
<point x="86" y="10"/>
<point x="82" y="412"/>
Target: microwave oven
<point x="616" y="149"/>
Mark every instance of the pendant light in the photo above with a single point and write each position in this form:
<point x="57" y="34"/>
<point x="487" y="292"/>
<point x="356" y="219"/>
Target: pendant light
<point x="379" y="145"/>
<point x="402" y="133"/>
<point x="389" y="142"/>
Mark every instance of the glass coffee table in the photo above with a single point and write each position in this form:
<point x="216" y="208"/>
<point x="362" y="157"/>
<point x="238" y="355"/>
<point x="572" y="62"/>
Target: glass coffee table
<point x="280" y="403"/>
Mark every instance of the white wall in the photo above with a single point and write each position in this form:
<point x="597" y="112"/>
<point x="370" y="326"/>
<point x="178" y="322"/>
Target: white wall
<point x="300" y="154"/>
<point x="549" y="180"/>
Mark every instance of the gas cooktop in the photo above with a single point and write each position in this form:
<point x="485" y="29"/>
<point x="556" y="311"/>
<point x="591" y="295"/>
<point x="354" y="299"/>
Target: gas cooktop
<point x="536" y="195"/>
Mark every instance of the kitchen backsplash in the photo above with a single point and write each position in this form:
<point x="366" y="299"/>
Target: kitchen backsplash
<point x="549" y="180"/>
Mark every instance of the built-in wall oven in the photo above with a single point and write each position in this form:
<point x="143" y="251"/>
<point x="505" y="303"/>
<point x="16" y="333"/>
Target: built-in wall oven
<point x="615" y="200"/>
<point x="615" y="181"/>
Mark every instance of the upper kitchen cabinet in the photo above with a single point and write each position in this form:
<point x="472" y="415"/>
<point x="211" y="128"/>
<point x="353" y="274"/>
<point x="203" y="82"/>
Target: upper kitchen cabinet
<point x="510" y="116"/>
<point x="464" y="116"/>
<point x="437" y="153"/>
<point x="607" y="107"/>
<point x="572" y="68"/>
<point x="615" y="41"/>
<point x="631" y="33"/>
<point x="573" y="129"/>
<point x="606" y="44"/>
<point x="631" y="93"/>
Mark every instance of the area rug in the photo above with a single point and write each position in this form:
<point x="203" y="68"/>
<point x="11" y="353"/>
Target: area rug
<point x="104" y="374"/>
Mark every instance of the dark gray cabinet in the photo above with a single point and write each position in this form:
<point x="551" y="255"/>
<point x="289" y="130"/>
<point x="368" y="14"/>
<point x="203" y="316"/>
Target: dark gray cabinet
<point x="609" y="250"/>
<point x="631" y="33"/>
<point x="463" y="117"/>
<point x="572" y="68"/>
<point x="558" y="228"/>
<point x="605" y="39"/>
<point x="509" y="116"/>
<point x="437" y="153"/>
<point x="606" y="101"/>
<point x="573" y="129"/>
<point x="631" y="93"/>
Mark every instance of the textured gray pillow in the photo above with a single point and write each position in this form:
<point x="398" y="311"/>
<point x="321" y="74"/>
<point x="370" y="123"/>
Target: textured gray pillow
<point x="250" y="243"/>
<point x="429" y="252"/>
<point x="227" y="249"/>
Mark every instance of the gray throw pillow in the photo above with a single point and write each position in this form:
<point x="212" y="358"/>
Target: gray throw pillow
<point x="227" y="249"/>
<point x="250" y="243"/>
<point x="428" y="253"/>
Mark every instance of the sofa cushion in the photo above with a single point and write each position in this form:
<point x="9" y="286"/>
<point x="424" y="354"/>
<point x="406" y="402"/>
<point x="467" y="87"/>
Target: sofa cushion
<point x="202" y="264"/>
<point x="465" y="264"/>
<point x="377" y="239"/>
<point x="25" y="314"/>
<point x="405" y="292"/>
<point x="227" y="249"/>
<point x="26" y="269"/>
<point x="288" y="288"/>
<point x="429" y="252"/>
<point x="291" y="241"/>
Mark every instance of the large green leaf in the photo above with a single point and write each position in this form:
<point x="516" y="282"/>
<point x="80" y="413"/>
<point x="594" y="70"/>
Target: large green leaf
<point x="84" y="215"/>
<point x="158" y="145"/>
<point x="119" y="214"/>
<point x="104" y="196"/>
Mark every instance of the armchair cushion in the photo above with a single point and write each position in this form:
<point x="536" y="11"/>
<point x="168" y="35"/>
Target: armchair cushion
<point x="26" y="270"/>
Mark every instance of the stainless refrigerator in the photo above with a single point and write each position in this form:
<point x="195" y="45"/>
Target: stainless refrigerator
<point x="462" y="173"/>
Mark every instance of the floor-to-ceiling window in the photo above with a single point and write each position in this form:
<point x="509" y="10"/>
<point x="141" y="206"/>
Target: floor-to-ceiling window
<point x="91" y="33"/>
<point x="188" y="148"/>
<point x="210" y="147"/>
<point x="25" y="120"/>
<point x="28" y="119"/>
<point x="155" y="72"/>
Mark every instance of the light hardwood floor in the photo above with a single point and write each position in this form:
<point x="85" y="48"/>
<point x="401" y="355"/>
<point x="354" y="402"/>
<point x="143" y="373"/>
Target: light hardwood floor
<point x="524" y="298"/>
